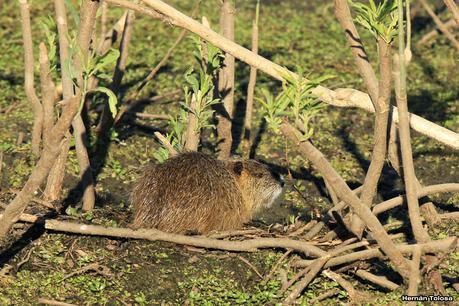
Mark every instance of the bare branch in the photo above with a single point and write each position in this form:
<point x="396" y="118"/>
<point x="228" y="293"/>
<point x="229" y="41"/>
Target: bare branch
<point x="415" y="275"/>
<point x="251" y="88"/>
<point x="453" y="8"/>
<point x="314" y="269"/>
<point x="378" y="280"/>
<point x="166" y="143"/>
<point x="197" y="241"/>
<point x="440" y="25"/>
<point x="29" y="78"/>
<point x="345" y="193"/>
<point x="419" y="231"/>
<point x="343" y="14"/>
<point x="424" y="191"/>
<point x="47" y="91"/>
<point x="226" y="83"/>
<point x="434" y="33"/>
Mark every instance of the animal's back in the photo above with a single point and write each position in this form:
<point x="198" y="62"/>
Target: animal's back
<point x="190" y="192"/>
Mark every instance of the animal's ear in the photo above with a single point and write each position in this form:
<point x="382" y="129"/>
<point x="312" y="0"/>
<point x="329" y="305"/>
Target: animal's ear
<point x="238" y="167"/>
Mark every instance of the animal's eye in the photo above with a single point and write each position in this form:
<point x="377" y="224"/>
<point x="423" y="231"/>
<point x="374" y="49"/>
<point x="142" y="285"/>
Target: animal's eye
<point x="258" y="175"/>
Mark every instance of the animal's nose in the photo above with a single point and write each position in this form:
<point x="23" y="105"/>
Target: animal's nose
<point x="281" y="180"/>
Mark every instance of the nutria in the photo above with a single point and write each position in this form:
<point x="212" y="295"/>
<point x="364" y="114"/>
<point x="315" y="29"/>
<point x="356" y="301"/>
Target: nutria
<point x="196" y="193"/>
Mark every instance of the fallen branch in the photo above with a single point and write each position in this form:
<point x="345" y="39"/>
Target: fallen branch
<point x="314" y="269"/>
<point x="197" y="241"/>
<point x="453" y="8"/>
<point x="53" y="302"/>
<point x="325" y="295"/>
<point x="354" y="294"/>
<point x="151" y="116"/>
<point x="425" y="191"/>
<point x="399" y="200"/>
<point x="378" y="280"/>
<point x="345" y="193"/>
<point x="435" y="246"/>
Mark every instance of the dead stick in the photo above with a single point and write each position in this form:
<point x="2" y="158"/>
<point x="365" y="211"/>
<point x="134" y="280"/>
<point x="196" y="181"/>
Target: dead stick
<point x="345" y="193"/>
<point x="152" y="116"/>
<point x="453" y="8"/>
<point x="166" y="143"/>
<point x="325" y="295"/>
<point x="251" y="266"/>
<point x="53" y="302"/>
<point x="378" y="280"/>
<point x="429" y="247"/>
<point x="156" y="235"/>
<point x="415" y="275"/>
<point x="315" y="268"/>
<point x="278" y="262"/>
<point x="424" y="191"/>
<point x="353" y="294"/>
<point x="452" y="215"/>
<point x="430" y="35"/>
<point x="440" y="25"/>
<point x="29" y="77"/>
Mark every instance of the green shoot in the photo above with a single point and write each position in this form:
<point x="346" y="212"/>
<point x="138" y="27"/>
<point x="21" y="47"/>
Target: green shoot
<point x="381" y="20"/>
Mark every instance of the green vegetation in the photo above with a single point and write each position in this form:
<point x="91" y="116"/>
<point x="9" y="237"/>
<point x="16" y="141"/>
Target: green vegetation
<point x="293" y="34"/>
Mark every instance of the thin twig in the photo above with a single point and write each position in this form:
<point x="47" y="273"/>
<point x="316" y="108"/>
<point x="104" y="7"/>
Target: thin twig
<point x="453" y="8"/>
<point x="53" y="302"/>
<point x="409" y="175"/>
<point x="247" y="140"/>
<point x="376" y="279"/>
<point x="314" y="269"/>
<point x="323" y="296"/>
<point x="351" y="291"/>
<point x="29" y="77"/>
<point x="278" y="262"/>
<point x="440" y="25"/>
<point x="415" y="275"/>
<point x="434" y="33"/>
<point x="166" y="143"/>
<point x="251" y="266"/>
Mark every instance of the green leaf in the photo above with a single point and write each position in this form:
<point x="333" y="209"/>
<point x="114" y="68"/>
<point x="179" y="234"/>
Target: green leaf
<point x="112" y="100"/>
<point x="73" y="12"/>
<point x="108" y="58"/>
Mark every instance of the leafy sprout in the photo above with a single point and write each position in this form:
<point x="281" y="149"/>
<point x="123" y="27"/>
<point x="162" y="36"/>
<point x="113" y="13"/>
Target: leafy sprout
<point x="199" y="92"/>
<point x="295" y="101"/>
<point x="381" y="19"/>
<point x="50" y="29"/>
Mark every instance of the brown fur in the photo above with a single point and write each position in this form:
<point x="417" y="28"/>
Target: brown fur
<point x="194" y="192"/>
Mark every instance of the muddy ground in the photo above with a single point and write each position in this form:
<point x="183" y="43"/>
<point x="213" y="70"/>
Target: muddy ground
<point x="35" y="263"/>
